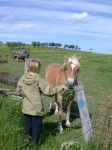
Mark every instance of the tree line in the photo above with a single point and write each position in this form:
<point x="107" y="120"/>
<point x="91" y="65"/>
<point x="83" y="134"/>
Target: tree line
<point x="55" y="45"/>
<point x="38" y="44"/>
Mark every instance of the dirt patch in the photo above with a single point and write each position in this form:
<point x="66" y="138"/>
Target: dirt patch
<point x="7" y="64"/>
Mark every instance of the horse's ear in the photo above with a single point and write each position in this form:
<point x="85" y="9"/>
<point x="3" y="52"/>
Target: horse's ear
<point x="66" y="58"/>
<point x="79" y="58"/>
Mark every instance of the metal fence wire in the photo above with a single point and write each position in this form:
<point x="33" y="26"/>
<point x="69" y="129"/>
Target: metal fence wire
<point x="102" y="126"/>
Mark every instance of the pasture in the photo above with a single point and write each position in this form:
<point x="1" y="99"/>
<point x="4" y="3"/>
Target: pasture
<point x="96" y="78"/>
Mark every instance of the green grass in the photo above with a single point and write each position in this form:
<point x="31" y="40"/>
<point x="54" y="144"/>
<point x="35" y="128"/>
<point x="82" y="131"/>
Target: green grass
<point x="95" y="69"/>
<point x="12" y="130"/>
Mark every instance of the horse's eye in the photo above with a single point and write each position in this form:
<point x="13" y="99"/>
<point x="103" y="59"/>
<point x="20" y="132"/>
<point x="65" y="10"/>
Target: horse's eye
<point x="66" y="69"/>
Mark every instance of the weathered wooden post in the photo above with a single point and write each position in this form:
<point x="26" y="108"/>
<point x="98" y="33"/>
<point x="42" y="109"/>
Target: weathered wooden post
<point x="26" y="64"/>
<point x="84" y="115"/>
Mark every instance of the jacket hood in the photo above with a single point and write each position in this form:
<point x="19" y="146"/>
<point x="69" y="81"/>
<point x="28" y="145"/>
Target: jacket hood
<point x="30" y="79"/>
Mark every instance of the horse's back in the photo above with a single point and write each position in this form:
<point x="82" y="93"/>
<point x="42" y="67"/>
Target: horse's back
<point x="53" y="66"/>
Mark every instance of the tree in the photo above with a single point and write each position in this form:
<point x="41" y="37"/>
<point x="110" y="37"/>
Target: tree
<point x="1" y="42"/>
<point x="15" y="44"/>
<point x="47" y="44"/>
<point x="38" y="44"/>
<point x="91" y="49"/>
<point x="53" y="44"/>
<point x="71" y="47"/>
<point x="19" y="44"/>
<point x="77" y="48"/>
<point x="65" y="46"/>
<point x="59" y="45"/>
<point x="9" y="44"/>
<point x="43" y="44"/>
<point x="34" y="43"/>
<point x="50" y="44"/>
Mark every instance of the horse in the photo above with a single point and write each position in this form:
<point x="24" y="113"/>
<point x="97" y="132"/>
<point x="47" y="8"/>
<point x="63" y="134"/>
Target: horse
<point x="62" y="74"/>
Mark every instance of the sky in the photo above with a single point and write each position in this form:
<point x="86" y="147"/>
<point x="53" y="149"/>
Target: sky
<point x="86" y="23"/>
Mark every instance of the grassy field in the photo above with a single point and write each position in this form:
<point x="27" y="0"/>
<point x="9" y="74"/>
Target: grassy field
<point x="96" y="78"/>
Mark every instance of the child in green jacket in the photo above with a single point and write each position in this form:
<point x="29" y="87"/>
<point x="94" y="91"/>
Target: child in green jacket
<point x="31" y="86"/>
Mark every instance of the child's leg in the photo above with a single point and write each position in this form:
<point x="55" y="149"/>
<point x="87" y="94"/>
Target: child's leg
<point x="28" y="124"/>
<point x="36" y="128"/>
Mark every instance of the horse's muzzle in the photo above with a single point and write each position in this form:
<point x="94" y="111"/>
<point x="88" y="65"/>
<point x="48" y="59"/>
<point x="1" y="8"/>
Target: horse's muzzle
<point x="71" y="82"/>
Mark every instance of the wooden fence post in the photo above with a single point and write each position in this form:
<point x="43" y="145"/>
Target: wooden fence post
<point x="26" y="64"/>
<point x="84" y="115"/>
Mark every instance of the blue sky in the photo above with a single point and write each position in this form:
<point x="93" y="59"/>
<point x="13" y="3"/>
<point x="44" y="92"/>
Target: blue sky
<point x="86" y="23"/>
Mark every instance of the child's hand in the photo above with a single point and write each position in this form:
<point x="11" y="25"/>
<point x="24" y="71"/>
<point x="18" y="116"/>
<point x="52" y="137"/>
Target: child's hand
<point x="65" y="88"/>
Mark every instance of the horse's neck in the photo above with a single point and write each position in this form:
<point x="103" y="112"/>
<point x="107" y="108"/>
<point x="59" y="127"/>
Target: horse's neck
<point x="63" y="73"/>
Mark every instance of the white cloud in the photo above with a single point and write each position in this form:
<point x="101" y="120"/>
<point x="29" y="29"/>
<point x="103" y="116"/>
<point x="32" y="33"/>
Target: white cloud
<point x="9" y="17"/>
<point x="27" y="26"/>
<point x="18" y="35"/>
<point x="79" y="17"/>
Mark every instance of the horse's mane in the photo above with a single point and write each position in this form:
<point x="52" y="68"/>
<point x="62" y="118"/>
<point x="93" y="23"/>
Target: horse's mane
<point x="74" y="59"/>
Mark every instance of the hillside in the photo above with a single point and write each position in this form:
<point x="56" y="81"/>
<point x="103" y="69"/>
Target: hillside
<point x="96" y="78"/>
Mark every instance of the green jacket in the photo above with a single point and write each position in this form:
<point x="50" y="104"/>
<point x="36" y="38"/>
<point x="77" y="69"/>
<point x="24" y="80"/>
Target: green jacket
<point x="31" y="88"/>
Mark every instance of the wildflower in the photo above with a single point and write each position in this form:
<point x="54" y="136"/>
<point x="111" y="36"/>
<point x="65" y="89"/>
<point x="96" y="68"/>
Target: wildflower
<point x="18" y="128"/>
<point x="17" y="111"/>
<point x="13" y="128"/>
<point x="77" y="146"/>
<point x="5" y="134"/>
<point x="27" y="141"/>
<point x="11" y="132"/>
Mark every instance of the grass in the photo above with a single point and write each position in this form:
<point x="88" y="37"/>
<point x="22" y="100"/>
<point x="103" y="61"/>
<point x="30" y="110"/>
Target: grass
<point x="12" y="129"/>
<point x="96" y="78"/>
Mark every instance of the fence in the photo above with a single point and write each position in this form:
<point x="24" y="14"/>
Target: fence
<point x="101" y="121"/>
<point x="102" y="125"/>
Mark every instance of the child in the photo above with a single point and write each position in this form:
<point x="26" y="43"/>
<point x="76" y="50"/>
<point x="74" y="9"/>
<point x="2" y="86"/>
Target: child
<point x="31" y="86"/>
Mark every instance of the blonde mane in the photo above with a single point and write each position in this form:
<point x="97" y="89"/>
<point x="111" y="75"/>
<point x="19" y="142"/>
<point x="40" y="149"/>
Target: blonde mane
<point x="74" y="60"/>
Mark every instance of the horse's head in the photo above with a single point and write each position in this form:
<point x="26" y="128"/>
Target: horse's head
<point x="72" y="69"/>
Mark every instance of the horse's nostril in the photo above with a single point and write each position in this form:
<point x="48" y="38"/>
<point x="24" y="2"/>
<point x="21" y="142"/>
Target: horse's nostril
<point x="71" y="82"/>
<point x="70" y="86"/>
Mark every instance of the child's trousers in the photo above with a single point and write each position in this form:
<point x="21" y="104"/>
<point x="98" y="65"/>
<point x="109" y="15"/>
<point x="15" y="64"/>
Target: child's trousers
<point x="33" y="126"/>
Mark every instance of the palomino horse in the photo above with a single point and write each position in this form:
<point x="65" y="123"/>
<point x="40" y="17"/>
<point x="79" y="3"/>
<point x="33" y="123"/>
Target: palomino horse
<point x="66" y="74"/>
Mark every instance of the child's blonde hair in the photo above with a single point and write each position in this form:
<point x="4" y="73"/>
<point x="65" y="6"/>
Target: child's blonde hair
<point x="34" y="66"/>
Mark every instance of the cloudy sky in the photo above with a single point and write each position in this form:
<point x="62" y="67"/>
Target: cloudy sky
<point x="86" y="23"/>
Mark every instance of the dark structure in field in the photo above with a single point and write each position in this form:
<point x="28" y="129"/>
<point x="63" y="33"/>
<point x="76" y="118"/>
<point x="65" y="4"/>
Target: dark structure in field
<point x="20" y="54"/>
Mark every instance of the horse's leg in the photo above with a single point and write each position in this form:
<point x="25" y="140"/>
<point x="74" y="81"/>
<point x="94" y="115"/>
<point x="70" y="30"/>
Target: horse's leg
<point x="69" y="109"/>
<point x="51" y="104"/>
<point x="68" y="114"/>
<point x="60" y="113"/>
<point x="56" y="105"/>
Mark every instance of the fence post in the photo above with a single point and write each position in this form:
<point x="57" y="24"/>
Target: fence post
<point x="84" y="115"/>
<point x="26" y="64"/>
